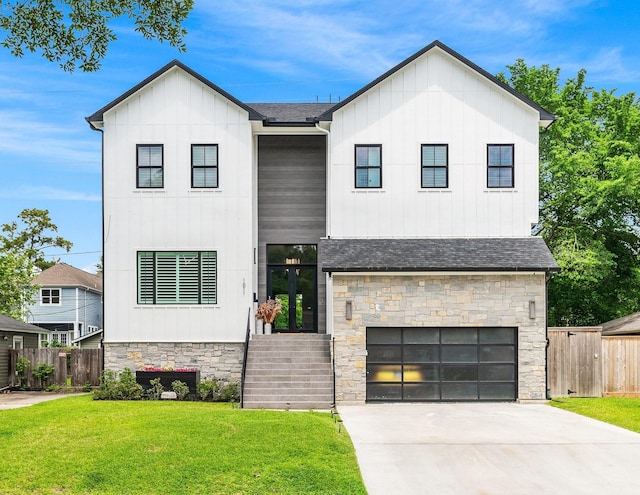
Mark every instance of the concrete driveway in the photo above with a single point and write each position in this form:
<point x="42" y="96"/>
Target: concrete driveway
<point x="490" y="449"/>
<point x="14" y="400"/>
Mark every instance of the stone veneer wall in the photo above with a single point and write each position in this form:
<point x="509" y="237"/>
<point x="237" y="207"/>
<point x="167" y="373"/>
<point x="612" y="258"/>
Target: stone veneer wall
<point x="222" y="360"/>
<point x="491" y="300"/>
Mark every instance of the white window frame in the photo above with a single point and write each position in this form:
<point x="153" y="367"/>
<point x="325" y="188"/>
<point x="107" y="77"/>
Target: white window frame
<point x="50" y="297"/>
<point x="16" y="339"/>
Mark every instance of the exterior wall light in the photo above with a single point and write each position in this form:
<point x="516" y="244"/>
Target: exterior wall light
<point x="532" y="309"/>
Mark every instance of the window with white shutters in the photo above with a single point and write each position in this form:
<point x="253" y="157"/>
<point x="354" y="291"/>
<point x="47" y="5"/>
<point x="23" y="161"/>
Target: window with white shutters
<point x="177" y="277"/>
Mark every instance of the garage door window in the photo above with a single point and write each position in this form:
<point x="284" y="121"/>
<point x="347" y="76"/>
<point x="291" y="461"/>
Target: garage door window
<point x="440" y="364"/>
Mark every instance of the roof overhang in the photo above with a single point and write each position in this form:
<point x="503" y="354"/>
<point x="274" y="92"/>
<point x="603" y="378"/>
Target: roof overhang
<point x="443" y="255"/>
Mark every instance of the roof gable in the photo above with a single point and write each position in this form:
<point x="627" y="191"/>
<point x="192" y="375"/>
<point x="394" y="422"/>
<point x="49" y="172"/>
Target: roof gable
<point x="546" y="117"/>
<point x="98" y="116"/>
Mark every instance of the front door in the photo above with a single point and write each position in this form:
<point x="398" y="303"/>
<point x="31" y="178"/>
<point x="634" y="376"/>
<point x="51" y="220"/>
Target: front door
<point x="292" y="278"/>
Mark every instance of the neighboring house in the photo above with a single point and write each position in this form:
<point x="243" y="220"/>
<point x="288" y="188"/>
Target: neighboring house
<point x="397" y="220"/>
<point x="627" y="325"/>
<point x="15" y="334"/>
<point x="68" y="303"/>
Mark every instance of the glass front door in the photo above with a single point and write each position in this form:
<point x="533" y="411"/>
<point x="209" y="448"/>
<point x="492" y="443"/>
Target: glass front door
<point x="291" y="277"/>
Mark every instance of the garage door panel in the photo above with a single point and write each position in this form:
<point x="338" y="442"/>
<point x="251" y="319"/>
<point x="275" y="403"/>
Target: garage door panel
<point x="421" y="336"/>
<point x="497" y="373"/>
<point x="495" y="335"/>
<point x="459" y="335"/>
<point x="459" y="354"/>
<point x="441" y="364"/>
<point x="496" y="354"/>
<point x="384" y="372"/>
<point x="422" y="391"/>
<point x="424" y="373"/>
<point x="421" y="354"/>
<point x="459" y="373"/>
<point x="459" y="391"/>
<point x="385" y="354"/>
<point x="497" y="391"/>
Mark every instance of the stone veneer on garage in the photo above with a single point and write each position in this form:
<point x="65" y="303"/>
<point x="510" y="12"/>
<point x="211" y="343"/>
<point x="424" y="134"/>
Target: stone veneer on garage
<point x="222" y="360"/>
<point x="491" y="300"/>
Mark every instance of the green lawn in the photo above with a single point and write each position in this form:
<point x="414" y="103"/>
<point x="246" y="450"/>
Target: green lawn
<point x="619" y="411"/>
<point x="77" y="445"/>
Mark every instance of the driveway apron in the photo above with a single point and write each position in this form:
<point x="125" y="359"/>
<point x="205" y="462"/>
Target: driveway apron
<point x="504" y="448"/>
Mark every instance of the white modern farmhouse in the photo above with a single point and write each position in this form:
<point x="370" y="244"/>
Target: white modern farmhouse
<point x="393" y="226"/>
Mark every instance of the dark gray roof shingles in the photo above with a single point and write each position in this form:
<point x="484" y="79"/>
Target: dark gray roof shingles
<point x="456" y="254"/>
<point x="289" y="113"/>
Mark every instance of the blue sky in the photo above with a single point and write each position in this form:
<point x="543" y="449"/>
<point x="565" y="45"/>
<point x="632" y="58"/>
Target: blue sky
<point x="273" y="51"/>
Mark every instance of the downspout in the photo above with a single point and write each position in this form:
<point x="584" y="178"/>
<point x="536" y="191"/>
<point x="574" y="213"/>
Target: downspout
<point x="329" y="281"/>
<point x="546" y="334"/>
<point x="104" y="315"/>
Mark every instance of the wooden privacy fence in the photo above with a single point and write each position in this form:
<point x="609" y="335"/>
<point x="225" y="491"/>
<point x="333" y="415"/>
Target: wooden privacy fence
<point x="84" y="366"/>
<point x="582" y="363"/>
<point x="621" y="366"/>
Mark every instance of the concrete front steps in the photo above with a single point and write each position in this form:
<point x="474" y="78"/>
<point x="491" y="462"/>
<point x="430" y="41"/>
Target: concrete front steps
<point x="289" y="371"/>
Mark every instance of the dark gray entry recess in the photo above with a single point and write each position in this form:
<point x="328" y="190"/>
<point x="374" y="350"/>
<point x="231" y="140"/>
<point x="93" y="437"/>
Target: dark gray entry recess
<point x="441" y="364"/>
<point x="292" y="211"/>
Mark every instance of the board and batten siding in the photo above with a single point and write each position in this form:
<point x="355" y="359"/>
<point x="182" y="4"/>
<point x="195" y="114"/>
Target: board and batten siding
<point x="434" y="100"/>
<point x="176" y="110"/>
<point x="291" y="200"/>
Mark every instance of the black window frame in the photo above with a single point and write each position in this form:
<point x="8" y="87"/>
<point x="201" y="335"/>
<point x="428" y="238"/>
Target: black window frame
<point x="424" y="167"/>
<point x="140" y="167"/>
<point x="501" y="166"/>
<point x="367" y="167"/>
<point x="205" y="167"/>
<point x="157" y="282"/>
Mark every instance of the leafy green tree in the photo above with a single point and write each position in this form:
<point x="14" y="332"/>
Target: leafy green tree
<point x="30" y="235"/>
<point x="589" y="195"/>
<point x="77" y="32"/>
<point x="16" y="271"/>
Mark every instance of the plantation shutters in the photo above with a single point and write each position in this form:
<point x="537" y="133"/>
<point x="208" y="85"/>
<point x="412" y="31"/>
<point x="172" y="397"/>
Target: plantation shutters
<point x="177" y="277"/>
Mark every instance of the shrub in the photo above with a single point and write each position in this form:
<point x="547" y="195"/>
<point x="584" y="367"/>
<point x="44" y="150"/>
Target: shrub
<point x="156" y="389"/>
<point x="230" y="392"/>
<point x="43" y="372"/>
<point x="208" y="389"/>
<point x="21" y="368"/>
<point x="112" y="388"/>
<point x="180" y="388"/>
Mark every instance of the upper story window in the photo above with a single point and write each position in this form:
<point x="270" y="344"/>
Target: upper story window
<point x="149" y="165"/>
<point x="204" y="165"/>
<point x="50" y="297"/>
<point x="500" y="165"/>
<point x="368" y="166"/>
<point x="177" y="277"/>
<point x="435" y="165"/>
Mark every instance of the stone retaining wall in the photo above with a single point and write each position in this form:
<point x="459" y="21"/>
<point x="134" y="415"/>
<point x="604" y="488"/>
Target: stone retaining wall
<point x="222" y="360"/>
<point x="439" y="300"/>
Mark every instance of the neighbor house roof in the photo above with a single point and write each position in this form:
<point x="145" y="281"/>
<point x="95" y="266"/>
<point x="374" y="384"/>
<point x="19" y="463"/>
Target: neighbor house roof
<point x="307" y="114"/>
<point x="546" y="117"/>
<point x="430" y="255"/>
<point x="627" y="325"/>
<point x="12" y="325"/>
<point x="63" y="275"/>
<point x="88" y="335"/>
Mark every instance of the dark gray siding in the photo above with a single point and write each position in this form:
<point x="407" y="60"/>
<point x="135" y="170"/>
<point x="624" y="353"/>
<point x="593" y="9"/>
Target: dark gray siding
<point x="29" y="341"/>
<point x="291" y="200"/>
